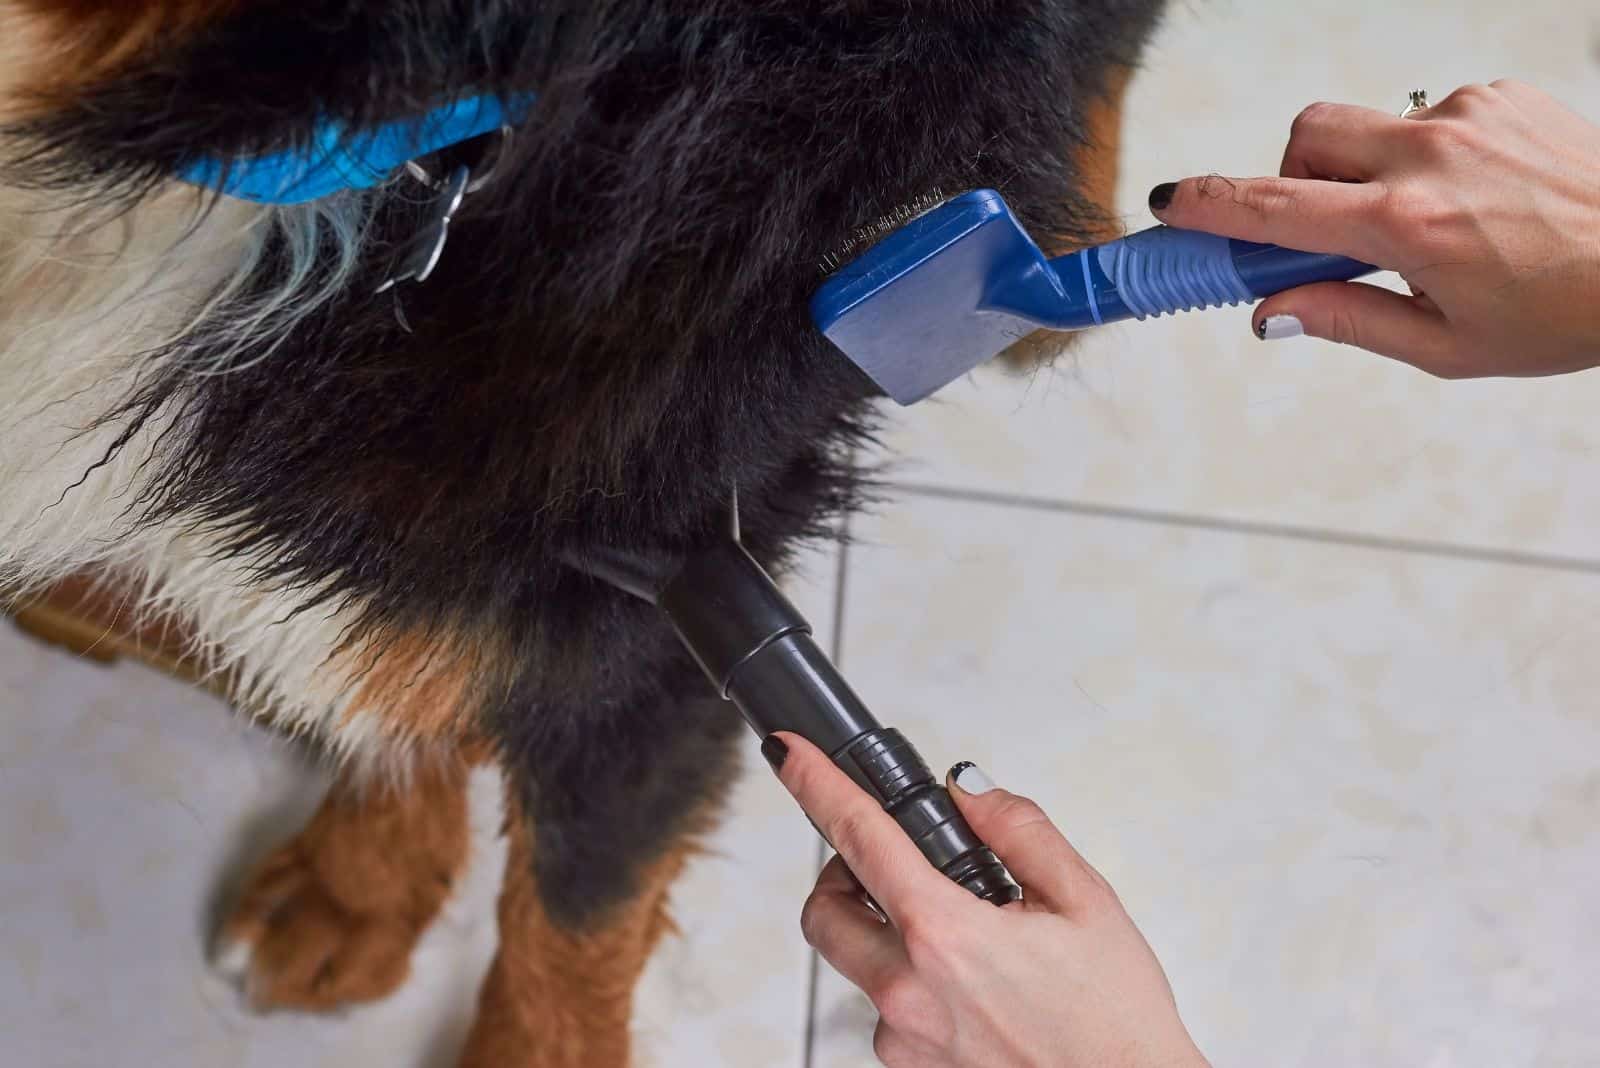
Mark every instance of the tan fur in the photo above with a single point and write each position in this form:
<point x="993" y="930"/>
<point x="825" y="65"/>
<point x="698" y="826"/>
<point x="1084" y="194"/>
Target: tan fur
<point x="411" y="693"/>
<point x="24" y="54"/>
<point x="1099" y="163"/>
<point x="331" y="917"/>
<point x="420" y="688"/>
<point x="91" y="618"/>
<point x="69" y="45"/>
<point x="563" y="999"/>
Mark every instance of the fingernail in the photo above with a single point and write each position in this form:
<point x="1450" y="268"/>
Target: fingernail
<point x="971" y="778"/>
<point x="1161" y="196"/>
<point x="775" y="750"/>
<point x="1275" y="326"/>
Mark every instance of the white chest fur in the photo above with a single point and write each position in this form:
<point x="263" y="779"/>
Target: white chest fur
<point x="83" y="306"/>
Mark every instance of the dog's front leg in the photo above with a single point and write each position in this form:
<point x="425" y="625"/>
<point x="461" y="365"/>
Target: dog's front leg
<point x="331" y="917"/>
<point x="599" y="829"/>
<point x="563" y="998"/>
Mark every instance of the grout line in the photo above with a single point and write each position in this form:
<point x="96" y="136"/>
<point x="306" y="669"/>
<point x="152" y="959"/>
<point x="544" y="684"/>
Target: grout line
<point x="836" y="654"/>
<point x="1419" y="547"/>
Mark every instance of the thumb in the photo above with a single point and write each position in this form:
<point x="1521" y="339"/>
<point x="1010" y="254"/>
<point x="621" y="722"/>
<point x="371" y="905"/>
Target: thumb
<point x="1051" y="872"/>
<point x="1379" y="320"/>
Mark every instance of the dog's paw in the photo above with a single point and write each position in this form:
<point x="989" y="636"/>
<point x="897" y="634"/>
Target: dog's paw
<point x="289" y="943"/>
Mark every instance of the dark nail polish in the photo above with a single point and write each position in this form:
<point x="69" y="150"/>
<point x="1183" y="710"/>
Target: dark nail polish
<point x="957" y="769"/>
<point x="1161" y="196"/>
<point x="1261" y="330"/>
<point x="775" y="750"/>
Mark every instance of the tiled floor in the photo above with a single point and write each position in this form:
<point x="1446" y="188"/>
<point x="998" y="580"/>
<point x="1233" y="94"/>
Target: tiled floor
<point x="1296" y="644"/>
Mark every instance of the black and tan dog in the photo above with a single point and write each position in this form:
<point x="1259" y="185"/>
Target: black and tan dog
<point x="355" y="502"/>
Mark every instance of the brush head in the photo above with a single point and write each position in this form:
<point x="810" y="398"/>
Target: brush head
<point x="918" y="310"/>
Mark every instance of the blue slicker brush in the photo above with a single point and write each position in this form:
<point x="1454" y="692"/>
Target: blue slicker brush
<point x="958" y="284"/>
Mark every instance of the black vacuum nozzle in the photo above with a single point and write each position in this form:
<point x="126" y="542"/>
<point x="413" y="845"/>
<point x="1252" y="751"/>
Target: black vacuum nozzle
<point x="642" y="576"/>
<point x="757" y="650"/>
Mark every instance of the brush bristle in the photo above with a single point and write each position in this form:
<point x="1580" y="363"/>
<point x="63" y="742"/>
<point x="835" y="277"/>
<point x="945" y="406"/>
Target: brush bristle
<point x="866" y="236"/>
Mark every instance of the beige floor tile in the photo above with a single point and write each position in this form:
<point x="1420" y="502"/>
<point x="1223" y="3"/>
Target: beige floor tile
<point x="1194" y="414"/>
<point x="1349" y="795"/>
<point x="125" y="798"/>
<point x="125" y="801"/>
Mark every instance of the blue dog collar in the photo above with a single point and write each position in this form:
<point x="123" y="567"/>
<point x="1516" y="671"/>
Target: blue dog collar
<point x="338" y="159"/>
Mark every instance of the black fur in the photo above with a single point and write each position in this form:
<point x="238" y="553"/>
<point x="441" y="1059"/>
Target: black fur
<point x="617" y="333"/>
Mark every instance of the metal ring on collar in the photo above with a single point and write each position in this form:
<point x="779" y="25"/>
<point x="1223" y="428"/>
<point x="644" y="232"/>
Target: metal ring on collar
<point x="494" y="157"/>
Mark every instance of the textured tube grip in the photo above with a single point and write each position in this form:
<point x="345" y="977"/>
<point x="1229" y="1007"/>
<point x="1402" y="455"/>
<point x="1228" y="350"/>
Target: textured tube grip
<point x="1163" y="270"/>
<point x="884" y="763"/>
<point x="757" y="650"/>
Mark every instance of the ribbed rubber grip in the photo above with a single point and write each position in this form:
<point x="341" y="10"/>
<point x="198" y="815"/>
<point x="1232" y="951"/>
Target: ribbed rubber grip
<point x="1166" y="270"/>
<point x="884" y="763"/>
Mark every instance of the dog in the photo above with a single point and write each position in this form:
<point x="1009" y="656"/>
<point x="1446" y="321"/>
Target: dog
<point x="354" y="498"/>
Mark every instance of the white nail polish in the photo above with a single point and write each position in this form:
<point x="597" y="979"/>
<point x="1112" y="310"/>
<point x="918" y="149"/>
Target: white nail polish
<point x="972" y="779"/>
<point x="1275" y="326"/>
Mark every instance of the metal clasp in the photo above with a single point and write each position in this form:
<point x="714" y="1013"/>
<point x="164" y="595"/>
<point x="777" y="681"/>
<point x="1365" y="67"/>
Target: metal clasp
<point x="423" y="252"/>
<point x="427" y="246"/>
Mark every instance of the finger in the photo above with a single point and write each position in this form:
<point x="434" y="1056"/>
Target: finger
<point x="890" y="1047"/>
<point x="1339" y="141"/>
<point x="1402" y="327"/>
<point x="1051" y="872"/>
<point x="1534" y="105"/>
<point x="1521" y="93"/>
<point x="1422" y="300"/>
<point x="840" y="926"/>
<point x="837" y="877"/>
<point x="1296" y="213"/>
<point x="1467" y="102"/>
<point x="880" y="854"/>
<point x="896" y="1048"/>
<point x="1532" y="101"/>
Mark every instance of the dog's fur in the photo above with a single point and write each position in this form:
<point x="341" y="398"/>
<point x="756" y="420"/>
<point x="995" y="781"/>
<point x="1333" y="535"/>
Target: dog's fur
<point x="357" y="510"/>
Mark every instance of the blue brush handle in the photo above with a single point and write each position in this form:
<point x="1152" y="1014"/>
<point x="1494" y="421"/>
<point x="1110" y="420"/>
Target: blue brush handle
<point x="1164" y="269"/>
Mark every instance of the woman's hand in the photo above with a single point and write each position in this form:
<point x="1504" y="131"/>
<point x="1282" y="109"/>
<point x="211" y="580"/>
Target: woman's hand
<point x="1062" y="978"/>
<point x="1487" y="203"/>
